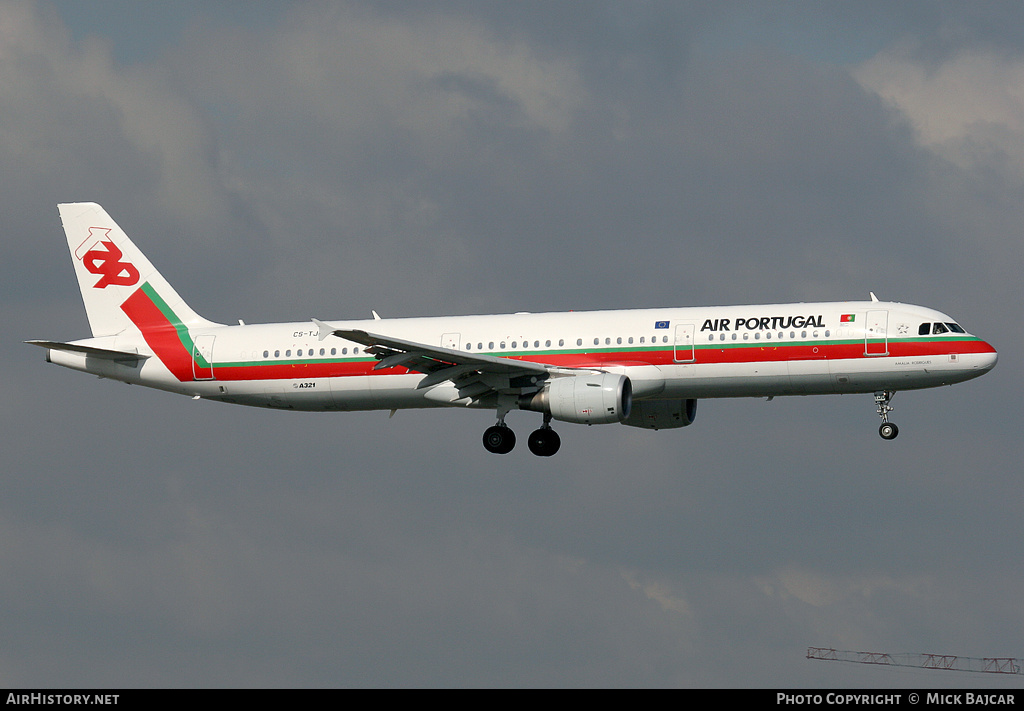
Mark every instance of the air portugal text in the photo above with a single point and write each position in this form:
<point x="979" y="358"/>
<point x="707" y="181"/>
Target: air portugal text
<point x="763" y="323"/>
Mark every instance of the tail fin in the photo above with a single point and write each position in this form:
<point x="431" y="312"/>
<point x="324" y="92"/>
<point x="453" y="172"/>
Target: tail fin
<point x="113" y="273"/>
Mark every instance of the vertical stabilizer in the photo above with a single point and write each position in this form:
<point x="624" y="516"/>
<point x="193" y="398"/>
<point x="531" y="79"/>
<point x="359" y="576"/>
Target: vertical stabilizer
<point x="111" y="270"/>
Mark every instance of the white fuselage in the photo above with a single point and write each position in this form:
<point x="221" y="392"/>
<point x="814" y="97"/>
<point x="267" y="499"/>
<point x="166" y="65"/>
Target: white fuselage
<point x="670" y="353"/>
<point x="643" y="368"/>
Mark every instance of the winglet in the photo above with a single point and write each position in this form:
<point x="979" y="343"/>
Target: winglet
<point x="325" y="330"/>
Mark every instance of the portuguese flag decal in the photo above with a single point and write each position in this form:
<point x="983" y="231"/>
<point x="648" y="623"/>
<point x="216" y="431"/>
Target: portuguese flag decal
<point x="847" y="318"/>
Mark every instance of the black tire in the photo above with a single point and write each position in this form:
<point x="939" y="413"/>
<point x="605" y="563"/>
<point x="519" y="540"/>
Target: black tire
<point x="887" y="430"/>
<point x="499" y="439"/>
<point x="544" y="442"/>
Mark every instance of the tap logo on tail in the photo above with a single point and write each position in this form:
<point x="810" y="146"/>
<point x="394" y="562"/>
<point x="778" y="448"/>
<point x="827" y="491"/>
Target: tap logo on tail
<point x="106" y="262"/>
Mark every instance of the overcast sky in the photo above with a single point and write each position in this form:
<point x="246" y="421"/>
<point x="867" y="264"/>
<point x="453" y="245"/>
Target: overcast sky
<point x="282" y="161"/>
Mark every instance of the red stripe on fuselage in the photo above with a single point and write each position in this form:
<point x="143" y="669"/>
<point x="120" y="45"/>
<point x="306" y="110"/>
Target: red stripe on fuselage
<point x="160" y="334"/>
<point x="703" y="355"/>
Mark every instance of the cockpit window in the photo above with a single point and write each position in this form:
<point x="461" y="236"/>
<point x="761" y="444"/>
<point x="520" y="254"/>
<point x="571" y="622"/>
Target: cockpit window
<point x="924" y="329"/>
<point x="955" y="328"/>
<point x="939" y="328"/>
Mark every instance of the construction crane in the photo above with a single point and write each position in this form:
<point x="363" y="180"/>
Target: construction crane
<point x="987" y="665"/>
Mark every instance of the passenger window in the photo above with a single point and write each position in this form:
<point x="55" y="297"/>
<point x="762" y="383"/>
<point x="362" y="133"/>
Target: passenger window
<point x="321" y="351"/>
<point x="513" y="344"/>
<point x="664" y="339"/>
<point x="579" y="341"/>
<point x="939" y="328"/>
<point x="757" y="336"/>
<point x="266" y="354"/>
<point x="501" y="345"/>
<point x="642" y="338"/>
<point x="334" y="351"/>
<point x="746" y="336"/>
<point x="490" y="345"/>
<point x="561" y="342"/>
<point x="597" y="341"/>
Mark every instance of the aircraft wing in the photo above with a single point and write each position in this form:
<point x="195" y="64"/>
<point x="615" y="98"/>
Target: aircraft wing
<point x="441" y="364"/>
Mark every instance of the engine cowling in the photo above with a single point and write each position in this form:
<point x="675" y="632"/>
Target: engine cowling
<point x="662" y="414"/>
<point x="597" y="399"/>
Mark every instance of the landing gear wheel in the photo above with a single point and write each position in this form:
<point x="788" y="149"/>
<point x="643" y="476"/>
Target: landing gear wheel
<point x="888" y="430"/>
<point x="544" y="442"/>
<point x="499" y="439"/>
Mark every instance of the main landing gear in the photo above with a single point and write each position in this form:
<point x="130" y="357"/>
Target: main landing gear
<point x="887" y="430"/>
<point x="543" y="442"/>
<point x="499" y="439"/>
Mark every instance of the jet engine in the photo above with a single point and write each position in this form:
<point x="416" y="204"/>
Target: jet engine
<point x="596" y="399"/>
<point x="662" y="414"/>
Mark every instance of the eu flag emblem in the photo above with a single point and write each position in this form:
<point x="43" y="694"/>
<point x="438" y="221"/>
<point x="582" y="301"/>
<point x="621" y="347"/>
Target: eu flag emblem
<point x="661" y="324"/>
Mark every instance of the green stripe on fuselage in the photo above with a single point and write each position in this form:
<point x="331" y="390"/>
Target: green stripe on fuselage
<point x="183" y="335"/>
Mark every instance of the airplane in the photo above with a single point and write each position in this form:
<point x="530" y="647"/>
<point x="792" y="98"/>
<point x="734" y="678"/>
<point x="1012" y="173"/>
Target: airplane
<point x="642" y="368"/>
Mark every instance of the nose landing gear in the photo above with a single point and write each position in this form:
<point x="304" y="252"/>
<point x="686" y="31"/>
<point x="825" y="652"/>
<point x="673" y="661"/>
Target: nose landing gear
<point x="887" y="430"/>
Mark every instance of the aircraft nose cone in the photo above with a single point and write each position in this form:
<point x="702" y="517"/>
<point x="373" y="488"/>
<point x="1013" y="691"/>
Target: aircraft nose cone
<point x="987" y="361"/>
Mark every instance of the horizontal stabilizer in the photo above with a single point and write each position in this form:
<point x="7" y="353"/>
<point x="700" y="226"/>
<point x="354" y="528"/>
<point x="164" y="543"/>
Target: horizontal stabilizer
<point x="104" y="353"/>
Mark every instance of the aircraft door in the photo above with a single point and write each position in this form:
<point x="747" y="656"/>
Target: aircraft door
<point x="202" y="357"/>
<point x="684" y="352"/>
<point x="452" y="341"/>
<point x="876" y="338"/>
